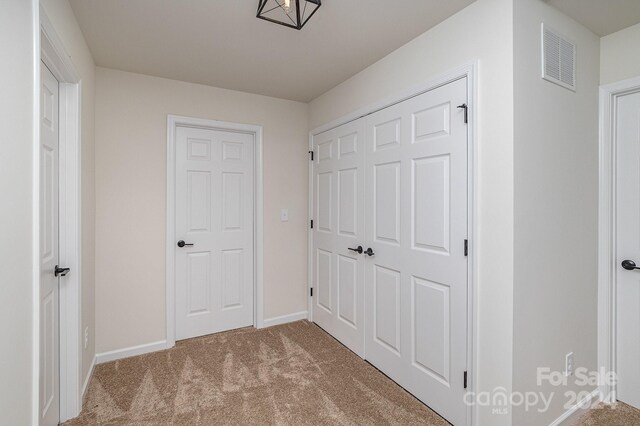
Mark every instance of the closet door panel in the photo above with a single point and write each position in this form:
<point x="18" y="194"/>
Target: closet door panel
<point x="338" y="275"/>
<point x="416" y="226"/>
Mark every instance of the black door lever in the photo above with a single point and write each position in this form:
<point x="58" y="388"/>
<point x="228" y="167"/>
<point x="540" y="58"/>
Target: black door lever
<point x="629" y="265"/>
<point x="466" y="109"/>
<point x="61" y="272"/>
<point x="369" y="252"/>
<point x="181" y="243"/>
<point x="357" y="250"/>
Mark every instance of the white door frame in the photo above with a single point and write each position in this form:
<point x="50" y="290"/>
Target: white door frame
<point x="470" y="72"/>
<point x="173" y="121"/>
<point x="607" y="266"/>
<point x="51" y="51"/>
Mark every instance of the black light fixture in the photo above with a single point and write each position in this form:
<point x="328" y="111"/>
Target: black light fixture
<point x="290" y="13"/>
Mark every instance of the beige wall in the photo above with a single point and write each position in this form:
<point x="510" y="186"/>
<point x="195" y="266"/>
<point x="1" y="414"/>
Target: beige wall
<point x="64" y="22"/>
<point x="131" y="127"/>
<point x="482" y="32"/>
<point x="16" y="209"/>
<point x="619" y="57"/>
<point x="556" y="196"/>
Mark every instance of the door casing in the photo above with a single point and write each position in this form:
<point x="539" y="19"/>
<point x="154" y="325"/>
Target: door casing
<point x="607" y="305"/>
<point x="470" y="72"/>
<point x="50" y="50"/>
<point x="173" y="121"/>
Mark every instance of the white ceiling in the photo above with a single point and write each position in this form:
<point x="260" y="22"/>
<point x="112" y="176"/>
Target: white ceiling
<point x="603" y="17"/>
<point x="221" y="43"/>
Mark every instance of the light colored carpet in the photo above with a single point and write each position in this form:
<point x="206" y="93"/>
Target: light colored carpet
<point x="293" y="374"/>
<point x="619" y="414"/>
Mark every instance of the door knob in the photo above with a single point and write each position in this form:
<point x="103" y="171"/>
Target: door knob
<point x="61" y="272"/>
<point x="369" y="252"/>
<point x="357" y="250"/>
<point x="629" y="265"/>
<point x="181" y="243"/>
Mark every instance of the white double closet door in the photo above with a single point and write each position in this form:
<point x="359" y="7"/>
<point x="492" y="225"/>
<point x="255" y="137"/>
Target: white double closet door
<point x="395" y="183"/>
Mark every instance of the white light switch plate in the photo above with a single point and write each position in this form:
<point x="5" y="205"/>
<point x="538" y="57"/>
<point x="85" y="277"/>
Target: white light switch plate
<point x="284" y="215"/>
<point x="569" y="364"/>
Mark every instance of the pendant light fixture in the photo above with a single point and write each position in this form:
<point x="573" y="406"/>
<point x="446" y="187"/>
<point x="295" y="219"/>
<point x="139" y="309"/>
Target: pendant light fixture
<point x="290" y="13"/>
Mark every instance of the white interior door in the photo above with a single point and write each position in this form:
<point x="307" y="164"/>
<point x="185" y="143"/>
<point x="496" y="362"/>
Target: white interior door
<point x="628" y="248"/>
<point x="214" y="219"/>
<point x="416" y="227"/>
<point x="338" y="275"/>
<point x="49" y="282"/>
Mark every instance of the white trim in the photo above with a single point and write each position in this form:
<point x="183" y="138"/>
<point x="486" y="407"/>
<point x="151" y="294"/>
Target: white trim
<point x="607" y="229"/>
<point x="472" y="226"/>
<point x="285" y="319"/>
<point x="117" y="354"/>
<point x="35" y="219"/>
<point x="441" y="80"/>
<point x="53" y="54"/>
<point x="310" y="213"/>
<point x="174" y="121"/>
<point x="87" y="379"/>
<point x="580" y="408"/>
<point x="470" y="72"/>
<point x="258" y="240"/>
<point x="70" y="252"/>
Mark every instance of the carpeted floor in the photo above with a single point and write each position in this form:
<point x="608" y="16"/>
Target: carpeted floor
<point x="293" y="374"/>
<point x="619" y="414"/>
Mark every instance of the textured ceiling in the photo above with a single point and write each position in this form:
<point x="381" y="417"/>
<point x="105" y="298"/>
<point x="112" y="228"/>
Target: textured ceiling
<point x="221" y="43"/>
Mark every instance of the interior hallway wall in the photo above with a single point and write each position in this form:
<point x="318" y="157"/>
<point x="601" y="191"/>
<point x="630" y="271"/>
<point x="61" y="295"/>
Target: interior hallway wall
<point x="16" y="211"/>
<point x="131" y="137"/>
<point x="63" y="20"/>
<point x="18" y="401"/>
<point x="619" y="57"/>
<point x="482" y="32"/>
<point x="556" y="206"/>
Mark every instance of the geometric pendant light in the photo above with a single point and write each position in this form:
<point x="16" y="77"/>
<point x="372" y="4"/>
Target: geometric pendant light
<point x="290" y="13"/>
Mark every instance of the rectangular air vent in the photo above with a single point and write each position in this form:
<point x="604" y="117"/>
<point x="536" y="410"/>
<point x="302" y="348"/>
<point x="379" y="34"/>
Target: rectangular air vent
<point x="558" y="59"/>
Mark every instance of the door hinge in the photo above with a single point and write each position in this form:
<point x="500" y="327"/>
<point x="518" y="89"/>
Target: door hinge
<point x="465" y="379"/>
<point x="311" y="291"/>
<point x="311" y="223"/>
<point x="466" y="247"/>
<point x="311" y="155"/>
<point x="466" y="110"/>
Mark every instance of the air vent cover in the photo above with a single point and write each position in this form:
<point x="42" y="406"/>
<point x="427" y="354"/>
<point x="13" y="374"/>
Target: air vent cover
<point x="558" y="59"/>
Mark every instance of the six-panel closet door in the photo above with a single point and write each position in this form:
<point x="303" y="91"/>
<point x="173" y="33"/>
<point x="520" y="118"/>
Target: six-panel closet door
<point x="395" y="183"/>
<point x="416" y="225"/>
<point x="338" y="267"/>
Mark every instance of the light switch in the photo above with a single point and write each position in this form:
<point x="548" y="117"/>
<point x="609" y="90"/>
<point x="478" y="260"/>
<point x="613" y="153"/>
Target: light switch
<point x="284" y="215"/>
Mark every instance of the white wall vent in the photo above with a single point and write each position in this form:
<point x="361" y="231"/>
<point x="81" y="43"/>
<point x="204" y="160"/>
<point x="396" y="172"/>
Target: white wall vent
<point x="558" y="59"/>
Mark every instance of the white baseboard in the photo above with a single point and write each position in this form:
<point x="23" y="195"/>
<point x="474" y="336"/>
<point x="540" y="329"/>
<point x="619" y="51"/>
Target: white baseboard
<point x="87" y="379"/>
<point x="132" y="351"/>
<point x="103" y="357"/>
<point x="570" y="416"/>
<point x="284" y="319"/>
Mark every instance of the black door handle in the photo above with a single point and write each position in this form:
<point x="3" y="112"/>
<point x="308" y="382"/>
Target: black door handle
<point x="61" y="272"/>
<point x="181" y="243"/>
<point x="369" y="252"/>
<point x="629" y="265"/>
<point x="357" y="250"/>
